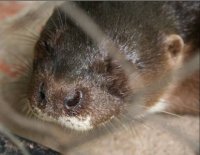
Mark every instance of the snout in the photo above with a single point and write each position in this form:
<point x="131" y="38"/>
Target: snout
<point x="60" y="100"/>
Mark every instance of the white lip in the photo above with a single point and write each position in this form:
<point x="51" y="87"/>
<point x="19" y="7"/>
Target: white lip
<point x="76" y="123"/>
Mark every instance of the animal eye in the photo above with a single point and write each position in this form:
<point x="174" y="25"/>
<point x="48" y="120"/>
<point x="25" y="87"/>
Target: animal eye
<point x="46" y="45"/>
<point x="139" y="64"/>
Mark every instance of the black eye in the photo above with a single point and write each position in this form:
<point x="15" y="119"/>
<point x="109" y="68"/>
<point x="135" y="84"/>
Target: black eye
<point x="46" y="45"/>
<point x="139" y="64"/>
<point x="41" y="96"/>
<point x="73" y="100"/>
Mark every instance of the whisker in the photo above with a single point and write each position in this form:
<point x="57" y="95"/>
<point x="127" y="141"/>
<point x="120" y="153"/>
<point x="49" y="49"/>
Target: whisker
<point x="131" y="128"/>
<point x="124" y="126"/>
<point x="25" y="35"/>
<point x="60" y="18"/>
<point x="140" y="120"/>
<point x="55" y="25"/>
<point x="162" y="111"/>
<point x="134" y="131"/>
<point x="171" y="114"/>
<point x="32" y="33"/>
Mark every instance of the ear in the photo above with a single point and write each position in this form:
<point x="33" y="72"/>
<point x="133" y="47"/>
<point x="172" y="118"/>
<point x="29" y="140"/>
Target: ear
<point x="174" y="46"/>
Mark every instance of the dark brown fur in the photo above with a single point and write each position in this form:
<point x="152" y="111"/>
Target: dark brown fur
<point x="66" y="60"/>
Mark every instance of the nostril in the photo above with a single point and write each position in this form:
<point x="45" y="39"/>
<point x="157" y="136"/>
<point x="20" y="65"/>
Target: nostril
<point x="42" y="96"/>
<point x="73" y="100"/>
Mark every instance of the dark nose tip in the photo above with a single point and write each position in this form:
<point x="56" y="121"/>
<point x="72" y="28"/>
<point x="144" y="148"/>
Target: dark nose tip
<point x="73" y="100"/>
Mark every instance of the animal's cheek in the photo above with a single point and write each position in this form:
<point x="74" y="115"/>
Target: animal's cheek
<point x="104" y="107"/>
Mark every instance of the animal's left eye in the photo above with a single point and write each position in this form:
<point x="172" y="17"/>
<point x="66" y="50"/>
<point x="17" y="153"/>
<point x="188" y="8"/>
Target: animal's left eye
<point x="139" y="64"/>
<point x="47" y="46"/>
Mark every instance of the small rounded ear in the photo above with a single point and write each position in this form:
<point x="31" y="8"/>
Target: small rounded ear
<point x="174" y="46"/>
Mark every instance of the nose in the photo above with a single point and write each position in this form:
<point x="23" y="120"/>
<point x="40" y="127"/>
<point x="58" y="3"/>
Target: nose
<point x="73" y="99"/>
